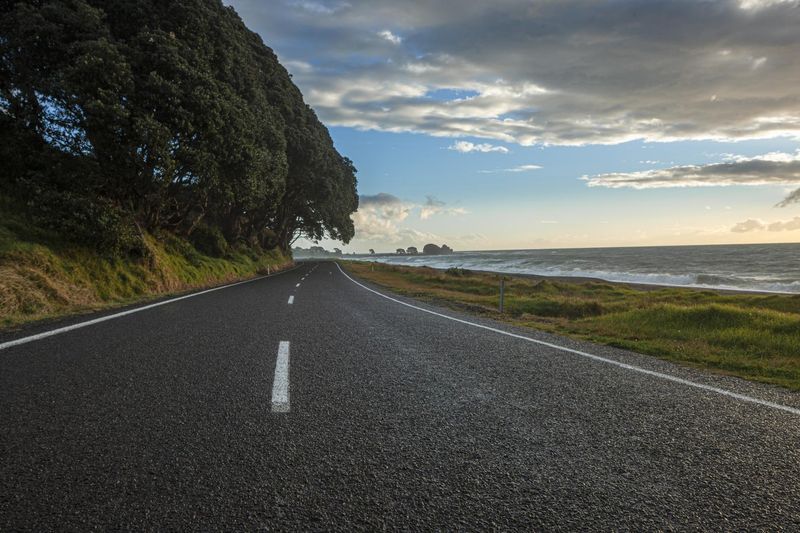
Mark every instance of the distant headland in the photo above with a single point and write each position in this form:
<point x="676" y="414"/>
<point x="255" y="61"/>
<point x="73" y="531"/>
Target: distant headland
<point x="320" y="252"/>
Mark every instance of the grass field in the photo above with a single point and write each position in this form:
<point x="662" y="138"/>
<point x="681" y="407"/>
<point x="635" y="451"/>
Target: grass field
<point x="42" y="277"/>
<point x="753" y="336"/>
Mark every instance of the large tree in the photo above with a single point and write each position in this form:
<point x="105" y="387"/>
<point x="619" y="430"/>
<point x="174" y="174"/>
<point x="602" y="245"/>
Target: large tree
<point x="170" y="113"/>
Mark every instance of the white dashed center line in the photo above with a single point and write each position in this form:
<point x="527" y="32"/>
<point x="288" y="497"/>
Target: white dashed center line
<point x="280" y="386"/>
<point x="291" y="300"/>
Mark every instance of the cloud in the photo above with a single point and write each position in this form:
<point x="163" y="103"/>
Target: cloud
<point x="380" y="199"/>
<point x="785" y="225"/>
<point x="319" y="8"/>
<point x="297" y="66"/>
<point x="775" y="168"/>
<point x="379" y="217"/>
<point x="520" y="168"/>
<point x="432" y="206"/>
<point x="466" y="147"/>
<point x="792" y="198"/>
<point x="570" y="72"/>
<point x="761" y="4"/>
<point x="413" y="236"/>
<point x="470" y="237"/>
<point x="751" y="224"/>
<point x="389" y="36"/>
<point x="748" y="225"/>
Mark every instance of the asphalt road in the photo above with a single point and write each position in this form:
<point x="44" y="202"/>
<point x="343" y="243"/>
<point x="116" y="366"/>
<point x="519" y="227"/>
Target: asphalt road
<point x="394" y="418"/>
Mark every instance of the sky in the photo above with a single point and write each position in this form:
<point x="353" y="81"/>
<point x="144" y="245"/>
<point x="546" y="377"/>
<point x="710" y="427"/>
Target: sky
<point x="514" y="124"/>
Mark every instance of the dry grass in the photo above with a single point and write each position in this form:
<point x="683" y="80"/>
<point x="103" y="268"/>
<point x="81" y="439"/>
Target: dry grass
<point x="40" y="277"/>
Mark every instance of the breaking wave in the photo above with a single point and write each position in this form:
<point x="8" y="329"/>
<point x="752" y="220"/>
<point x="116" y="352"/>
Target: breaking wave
<point x="761" y="267"/>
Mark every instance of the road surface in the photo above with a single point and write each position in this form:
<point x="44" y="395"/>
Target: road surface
<point x="307" y="401"/>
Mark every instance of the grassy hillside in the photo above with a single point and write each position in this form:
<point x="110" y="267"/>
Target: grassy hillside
<point x="753" y="336"/>
<point x="43" y="277"/>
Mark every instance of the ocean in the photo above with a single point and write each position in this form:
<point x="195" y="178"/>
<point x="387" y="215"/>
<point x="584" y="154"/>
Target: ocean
<point x="750" y="267"/>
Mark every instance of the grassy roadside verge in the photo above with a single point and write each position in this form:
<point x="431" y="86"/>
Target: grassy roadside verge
<point x="41" y="277"/>
<point x="752" y="336"/>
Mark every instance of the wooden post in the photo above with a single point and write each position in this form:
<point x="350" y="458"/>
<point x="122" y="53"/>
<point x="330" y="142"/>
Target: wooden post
<point x="502" y="292"/>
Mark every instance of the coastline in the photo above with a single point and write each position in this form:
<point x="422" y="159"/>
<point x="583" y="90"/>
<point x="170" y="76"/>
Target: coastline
<point x="732" y="268"/>
<point x="629" y="284"/>
<point x="642" y="286"/>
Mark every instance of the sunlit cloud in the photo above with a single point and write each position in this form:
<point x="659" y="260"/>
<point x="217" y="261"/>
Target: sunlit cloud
<point x="759" y="225"/>
<point x="466" y="147"/>
<point x="297" y="66"/>
<point x="320" y="8"/>
<point x="520" y="168"/>
<point x="389" y="36"/>
<point x="762" y="4"/>
<point x="379" y="217"/>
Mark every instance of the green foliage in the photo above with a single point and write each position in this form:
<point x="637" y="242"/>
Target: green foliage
<point x="209" y="240"/>
<point x="459" y="272"/>
<point x="91" y="222"/>
<point x="161" y="115"/>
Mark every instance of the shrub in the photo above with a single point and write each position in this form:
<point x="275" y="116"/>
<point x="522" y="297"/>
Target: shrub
<point x="209" y="240"/>
<point x="570" y="309"/>
<point x="94" y="222"/>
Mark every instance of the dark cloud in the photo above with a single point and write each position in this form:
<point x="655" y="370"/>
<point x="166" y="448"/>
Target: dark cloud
<point x="560" y="72"/>
<point x="768" y="169"/>
<point x="380" y="199"/>
<point x="792" y="198"/>
<point x="432" y="201"/>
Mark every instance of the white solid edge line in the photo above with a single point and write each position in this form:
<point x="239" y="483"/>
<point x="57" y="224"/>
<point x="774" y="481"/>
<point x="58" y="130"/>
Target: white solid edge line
<point x="79" y="325"/>
<point x="280" y="385"/>
<point x="626" y="366"/>
<point x="291" y="300"/>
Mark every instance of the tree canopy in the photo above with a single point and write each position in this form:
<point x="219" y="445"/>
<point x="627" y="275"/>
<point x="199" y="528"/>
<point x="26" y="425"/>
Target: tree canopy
<point x="121" y="116"/>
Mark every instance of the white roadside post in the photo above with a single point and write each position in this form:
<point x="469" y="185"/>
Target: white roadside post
<point x="502" y="292"/>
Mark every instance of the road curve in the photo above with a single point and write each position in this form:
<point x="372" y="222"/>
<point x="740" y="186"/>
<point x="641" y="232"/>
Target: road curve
<point x="306" y="401"/>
